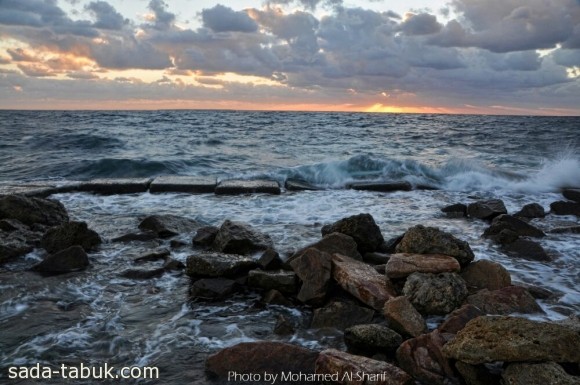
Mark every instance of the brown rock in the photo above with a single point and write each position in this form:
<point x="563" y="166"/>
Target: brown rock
<point x="371" y="339"/>
<point x="283" y="326"/>
<point x="404" y="318"/>
<point x="274" y="297"/>
<point x="404" y="264"/>
<point x="485" y="274"/>
<point x="435" y="293"/>
<point x="334" y="243"/>
<point x="511" y="299"/>
<point x="362" y="228"/>
<point x="459" y="318"/>
<point x="544" y="373"/>
<point x="476" y="374"/>
<point x="341" y="315"/>
<point x="313" y="267"/>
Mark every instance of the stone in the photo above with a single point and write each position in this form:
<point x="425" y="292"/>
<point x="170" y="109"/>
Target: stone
<point x="485" y="274"/>
<point x="565" y="230"/>
<point x="281" y="280"/>
<point x="283" y="326"/>
<point x="161" y="254"/>
<point x="341" y="315"/>
<point x="381" y="186"/>
<point x="362" y="228"/>
<point x="30" y="211"/>
<point x="507" y="300"/>
<point x="261" y="357"/>
<point x="142" y="273"/>
<point x="348" y="369"/>
<point x="527" y="249"/>
<point x="521" y="228"/>
<point x="572" y="194"/>
<point x="390" y="245"/>
<point x="362" y="281"/>
<point x="376" y="258"/>
<point x="213" y="288"/>
<point x="513" y="339"/>
<point x="431" y="240"/>
<point x="204" y="236"/>
<point x="435" y="293"/>
<point x="237" y="187"/>
<point x="458" y="318"/>
<point x="543" y="373"/>
<point x="240" y="238"/>
<point x="536" y="291"/>
<point x="299" y="185"/>
<point x="313" y="267"/>
<point x="333" y="243"/>
<point x="72" y="259"/>
<point x="166" y="226"/>
<point x="69" y="234"/>
<point x="13" y="244"/>
<point x="211" y="264"/>
<point x="116" y="186"/>
<point x="422" y="358"/>
<point x="270" y="260"/>
<point x="274" y="297"/>
<point x="486" y="209"/>
<point x="403" y="317"/>
<point x="458" y="210"/>
<point x="404" y="264"/>
<point x="183" y="184"/>
<point x="371" y="339"/>
<point x="145" y="236"/>
<point x="476" y="374"/>
<point x="565" y="208"/>
<point x="531" y="210"/>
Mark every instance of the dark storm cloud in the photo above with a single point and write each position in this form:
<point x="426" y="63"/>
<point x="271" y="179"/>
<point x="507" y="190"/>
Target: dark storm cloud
<point x="106" y="16"/>
<point x="224" y="19"/>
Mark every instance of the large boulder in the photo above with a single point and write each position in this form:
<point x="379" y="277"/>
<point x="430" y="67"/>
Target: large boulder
<point x="32" y="211"/>
<point x="362" y="281"/>
<point x="362" y="228"/>
<point x="313" y="267"/>
<point x="403" y="317"/>
<point x="507" y="222"/>
<point x="65" y="261"/>
<point x="486" y="209"/>
<point x="527" y="249"/>
<point x="333" y="243"/>
<point x="513" y="339"/>
<point x="430" y="240"/>
<point x="16" y="239"/>
<point x="69" y="234"/>
<point x="507" y="300"/>
<point x="543" y="373"/>
<point x="435" y="293"/>
<point x="213" y="288"/>
<point x="341" y="315"/>
<point x="371" y="339"/>
<point x="166" y="226"/>
<point x="457" y="210"/>
<point x="347" y="369"/>
<point x="281" y="280"/>
<point x="565" y="208"/>
<point x="485" y="274"/>
<point x="210" y="264"/>
<point x="403" y="265"/>
<point x="204" y="236"/>
<point x="531" y="210"/>
<point x="240" y="238"/>
<point x="572" y="193"/>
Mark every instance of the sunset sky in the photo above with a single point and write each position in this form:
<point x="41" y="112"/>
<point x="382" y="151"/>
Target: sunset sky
<point x="458" y="56"/>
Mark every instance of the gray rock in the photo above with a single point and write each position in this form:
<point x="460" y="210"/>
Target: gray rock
<point x="142" y="273"/>
<point x="139" y="237"/>
<point x="435" y="293"/>
<point x="485" y="274"/>
<point x="544" y="373"/>
<point x="371" y="339"/>
<point x="486" y="209"/>
<point x="362" y="228"/>
<point x="166" y="226"/>
<point x="458" y="210"/>
<point x="116" y="186"/>
<point x="376" y="258"/>
<point x="334" y="243"/>
<point x="69" y="234"/>
<point x="211" y="264"/>
<point x="240" y="238"/>
<point x="403" y="317"/>
<point x="313" y="267"/>
<point x="236" y="187"/>
<point x="565" y="208"/>
<point x="299" y="185"/>
<point x="72" y="259"/>
<point x="13" y="244"/>
<point x="213" y="288"/>
<point x="341" y="315"/>
<point x="30" y="211"/>
<point x="283" y="326"/>
<point x="521" y="228"/>
<point x="274" y="297"/>
<point x="204" y="236"/>
<point x="281" y="280"/>
<point x="527" y="249"/>
<point x="185" y="184"/>
<point x="270" y="260"/>
<point x="532" y="210"/>
<point x="381" y="186"/>
<point x="572" y="194"/>
<point x="476" y="374"/>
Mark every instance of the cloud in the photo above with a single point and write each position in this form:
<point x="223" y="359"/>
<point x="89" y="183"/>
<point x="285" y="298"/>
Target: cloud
<point x="36" y="70"/>
<point x="224" y="19"/>
<point x="308" y="4"/>
<point x="20" y="54"/>
<point x="163" y="20"/>
<point x="127" y="53"/>
<point x="106" y="16"/>
<point x="420" y="24"/>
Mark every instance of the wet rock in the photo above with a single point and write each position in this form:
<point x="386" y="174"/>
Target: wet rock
<point x="566" y="230"/>
<point x="476" y="374"/>
<point x="404" y="264"/>
<point x="458" y="318"/>
<point x="237" y="187"/>
<point x="381" y="187"/>
<point x="362" y="228"/>
<point x="341" y="315"/>
<point x="281" y="280"/>
<point x="313" y="267"/>
<point x="140" y="237"/>
<point x="485" y="274"/>
<point x="572" y="194"/>
<point x="430" y="240"/>
<point x="13" y="244"/>
<point x="458" y="210"/>
<point x="505" y="237"/>
<point x="536" y="291"/>
<point x="173" y="265"/>
<point x="527" y="249"/>
<point x="240" y="238"/>
<point x="213" y="288"/>
<point x="422" y="358"/>
<point x="116" y="186"/>
<point x="532" y="210"/>
<point x="390" y="245"/>
<point x="166" y="226"/>
<point x="30" y="211"/>
<point x="362" y="281"/>
<point x="435" y="293"/>
<point x="403" y="317"/>
<point x="274" y="297"/>
<point x="299" y="185"/>
<point x="371" y="339"/>
<point x="504" y="221"/>
<point x="283" y="326"/>
<point x="143" y="274"/>
<point x="69" y="234"/>
<point x="210" y="264"/>
<point x="334" y="243"/>
<point x="513" y="339"/>
<point x="72" y="259"/>
<point x="204" y="236"/>
<point x="348" y="369"/>
<point x="565" y="208"/>
<point x="185" y="184"/>
<point x="270" y="260"/>
<point x="261" y="357"/>
<point x="381" y="269"/>
<point x="507" y="300"/>
<point x="177" y="244"/>
<point x="159" y="255"/>
<point x="486" y="209"/>
<point x="376" y="258"/>
<point x="544" y="373"/>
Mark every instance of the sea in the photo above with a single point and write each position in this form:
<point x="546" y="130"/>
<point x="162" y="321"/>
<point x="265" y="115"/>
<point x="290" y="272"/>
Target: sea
<point x="96" y="316"/>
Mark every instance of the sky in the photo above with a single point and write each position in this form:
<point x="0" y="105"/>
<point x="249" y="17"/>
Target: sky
<point x="456" y="56"/>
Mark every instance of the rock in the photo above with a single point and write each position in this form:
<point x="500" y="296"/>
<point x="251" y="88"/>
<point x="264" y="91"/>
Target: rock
<point x="485" y="274"/>
<point x="403" y="317"/>
<point x="536" y="291"/>
<point x="341" y="315"/>
<point x="299" y="185"/>
<point x="381" y="186"/>
<point x="362" y="228"/>
<point x="213" y="288"/>
<point x="348" y="369"/>
<point x="390" y="245"/>
<point x="334" y="243"/>
<point x="240" y="238"/>
<point x="274" y="297"/>
<point x="376" y="258"/>
<point x="173" y="265"/>
<point x="281" y="280"/>
<point x="143" y="274"/>
<point x="166" y="226"/>
<point x="13" y="244"/>
<point x="435" y="293"/>
<point x="210" y="264"/>
<point x="422" y="358"/>
<point x="458" y="318"/>
<point x="161" y="254"/>
<point x="283" y="326"/>
<point x="476" y="374"/>
<point x="261" y="357"/>
<point x="72" y="259"/>
<point x="362" y="281"/>
<point x="404" y="264"/>
<point x="69" y="234"/>
<point x="458" y="210"/>
<point x="430" y="240"/>
<point x="507" y="300"/>
<point x="504" y="221"/>
<point x="371" y="339"/>
<point x="116" y="186"/>
<point x="270" y="260"/>
<point x="572" y="194"/>
<point x="565" y="208"/>
<point x="205" y="236"/>
<point x="513" y="339"/>
<point x="30" y="211"/>
<point x="527" y="249"/>
<point x="532" y="210"/>
<point x="544" y="373"/>
<point x="487" y="209"/>
<point x="183" y="184"/>
<point x="505" y="237"/>
<point x="141" y="237"/>
<point x="313" y="267"/>
<point x="236" y="187"/>
<point x="565" y="230"/>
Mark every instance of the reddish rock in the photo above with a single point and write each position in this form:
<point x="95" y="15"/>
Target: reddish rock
<point x="313" y="267"/>
<point x="405" y="264"/>
<point x="511" y="299"/>
<point x="459" y="318"/>
<point x="485" y="274"/>
<point x="403" y="317"/>
<point x="362" y="281"/>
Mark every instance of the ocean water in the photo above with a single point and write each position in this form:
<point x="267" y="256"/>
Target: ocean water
<point x="97" y="316"/>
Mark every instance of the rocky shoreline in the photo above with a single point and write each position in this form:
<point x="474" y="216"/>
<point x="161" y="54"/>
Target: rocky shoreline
<point x="378" y="291"/>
